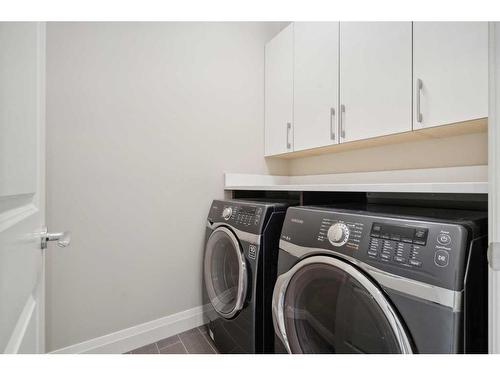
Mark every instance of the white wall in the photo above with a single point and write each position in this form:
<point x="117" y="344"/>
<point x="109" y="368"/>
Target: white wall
<point x="142" y="121"/>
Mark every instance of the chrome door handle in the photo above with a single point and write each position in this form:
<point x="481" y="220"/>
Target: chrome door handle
<point x="288" y="127"/>
<point x="342" y="122"/>
<point x="332" y="116"/>
<point x="494" y="256"/>
<point x="63" y="238"/>
<point x="419" y="92"/>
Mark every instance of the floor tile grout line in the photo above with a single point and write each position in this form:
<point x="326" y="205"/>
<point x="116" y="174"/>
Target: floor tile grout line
<point x="171" y="345"/>
<point x="201" y="332"/>
<point x="208" y="341"/>
<point x="185" y="348"/>
<point x="212" y="346"/>
<point x="166" y="346"/>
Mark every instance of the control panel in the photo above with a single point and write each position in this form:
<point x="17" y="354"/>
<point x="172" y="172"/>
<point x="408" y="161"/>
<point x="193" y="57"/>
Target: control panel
<point x="425" y="250"/>
<point x="243" y="215"/>
<point x="246" y="217"/>
<point x="405" y="245"/>
<point x="399" y="244"/>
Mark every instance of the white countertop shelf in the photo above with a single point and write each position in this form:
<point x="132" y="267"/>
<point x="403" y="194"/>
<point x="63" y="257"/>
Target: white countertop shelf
<point x="463" y="187"/>
<point x="463" y="180"/>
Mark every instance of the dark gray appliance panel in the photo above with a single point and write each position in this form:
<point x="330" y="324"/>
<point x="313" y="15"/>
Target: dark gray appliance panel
<point x="246" y="216"/>
<point x="426" y="251"/>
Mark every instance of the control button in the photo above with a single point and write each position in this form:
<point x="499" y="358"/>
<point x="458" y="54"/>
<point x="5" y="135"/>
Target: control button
<point x="421" y="233"/>
<point x="400" y="259"/>
<point x="376" y="228"/>
<point x="444" y="239"/>
<point x="441" y="258"/>
<point x="395" y="237"/>
<point x="227" y="212"/>
<point x="420" y="236"/>
<point x="407" y="239"/>
<point x="372" y="254"/>
<point x="415" y="263"/>
<point x="385" y="256"/>
<point x="385" y="236"/>
<point x="388" y="245"/>
<point x="338" y="234"/>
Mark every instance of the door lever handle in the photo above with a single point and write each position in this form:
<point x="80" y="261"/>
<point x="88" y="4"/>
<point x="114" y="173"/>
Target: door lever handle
<point x="494" y="256"/>
<point x="63" y="238"/>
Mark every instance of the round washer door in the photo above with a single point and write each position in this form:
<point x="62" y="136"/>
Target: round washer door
<point x="326" y="305"/>
<point x="225" y="272"/>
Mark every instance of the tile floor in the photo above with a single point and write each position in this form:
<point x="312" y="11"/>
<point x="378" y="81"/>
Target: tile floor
<point x="194" y="341"/>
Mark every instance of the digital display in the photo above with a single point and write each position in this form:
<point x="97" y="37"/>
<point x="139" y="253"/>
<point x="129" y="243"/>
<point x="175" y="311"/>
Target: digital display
<point x="399" y="233"/>
<point x="248" y="210"/>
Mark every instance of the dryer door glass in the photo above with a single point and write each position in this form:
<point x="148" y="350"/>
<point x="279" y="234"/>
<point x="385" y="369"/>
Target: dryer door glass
<point x="328" y="309"/>
<point x="225" y="272"/>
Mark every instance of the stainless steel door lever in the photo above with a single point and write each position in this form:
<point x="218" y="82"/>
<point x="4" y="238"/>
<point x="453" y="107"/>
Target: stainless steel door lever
<point x="63" y="238"/>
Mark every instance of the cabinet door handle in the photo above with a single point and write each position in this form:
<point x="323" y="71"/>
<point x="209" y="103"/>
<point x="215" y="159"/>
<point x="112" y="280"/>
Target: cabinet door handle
<point x="332" y="116"/>
<point x="288" y="127"/>
<point x="342" y="122"/>
<point x="419" y="92"/>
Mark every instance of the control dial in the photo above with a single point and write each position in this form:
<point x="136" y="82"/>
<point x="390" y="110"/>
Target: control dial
<point x="227" y="212"/>
<point x="338" y="234"/>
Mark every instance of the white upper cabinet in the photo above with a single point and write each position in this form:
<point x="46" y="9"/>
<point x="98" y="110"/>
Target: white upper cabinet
<point x="331" y="82"/>
<point x="316" y="63"/>
<point x="450" y="72"/>
<point x="279" y="93"/>
<point x="375" y="79"/>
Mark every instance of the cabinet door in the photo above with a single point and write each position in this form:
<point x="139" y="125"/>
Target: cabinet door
<point x="375" y="79"/>
<point x="279" y="93"/>
<point x="450" y="70"/>
<point x="315" y="90"/>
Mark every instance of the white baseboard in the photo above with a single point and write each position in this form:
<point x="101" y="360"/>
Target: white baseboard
<point x="140" y="335"/>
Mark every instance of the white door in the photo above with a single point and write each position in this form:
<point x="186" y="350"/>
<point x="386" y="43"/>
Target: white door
<point x="375" y="79"/>
<point x="450" y="72"/>
<point x="22" y="194"/>
<point x="279" y="93"/>
<point x="315" y="84"/>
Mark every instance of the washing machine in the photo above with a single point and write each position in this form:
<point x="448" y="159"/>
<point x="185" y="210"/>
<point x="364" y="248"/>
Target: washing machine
<point x="240" y="266"/>
<point x="381" y="279"/>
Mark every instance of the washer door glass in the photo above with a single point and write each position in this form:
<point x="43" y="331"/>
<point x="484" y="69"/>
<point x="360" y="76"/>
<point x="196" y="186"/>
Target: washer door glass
<point x="225" y="272"/>
<point x="328" y="310"/>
